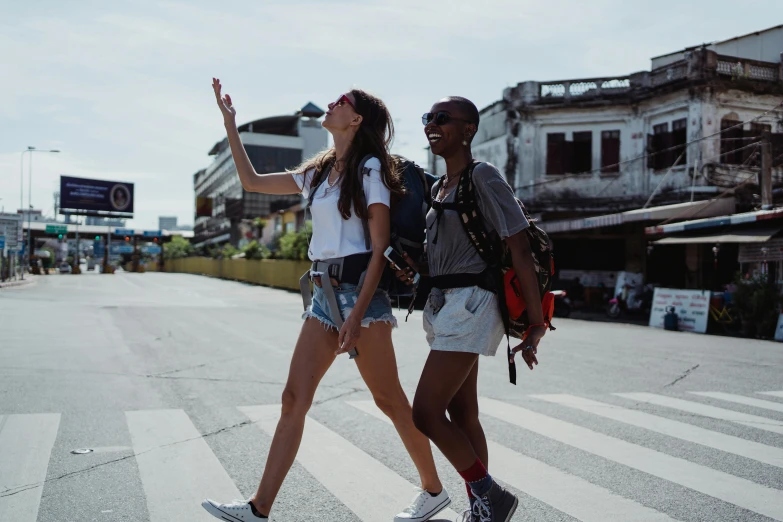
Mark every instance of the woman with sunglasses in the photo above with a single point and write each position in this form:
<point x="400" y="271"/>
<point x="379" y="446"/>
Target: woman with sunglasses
<point x="343" y="201"/>
<point x="462" y="315"/>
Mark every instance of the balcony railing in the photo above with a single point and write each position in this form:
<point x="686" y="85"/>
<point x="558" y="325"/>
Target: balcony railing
<point x="588" y="88"/>
<point x="749" y="69"/>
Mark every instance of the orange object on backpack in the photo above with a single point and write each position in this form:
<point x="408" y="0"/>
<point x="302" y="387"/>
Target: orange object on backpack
<point x="515" y="302"/>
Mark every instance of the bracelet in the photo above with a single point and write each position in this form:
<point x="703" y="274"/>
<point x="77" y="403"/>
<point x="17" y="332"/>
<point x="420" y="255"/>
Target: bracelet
<point x="537" y="324"/>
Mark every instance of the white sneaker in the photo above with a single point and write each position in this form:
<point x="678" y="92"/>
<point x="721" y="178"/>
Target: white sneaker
<point x="237" y="511"/>
<point x="424" y="506"/>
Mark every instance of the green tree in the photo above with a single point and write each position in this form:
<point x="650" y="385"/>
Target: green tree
<point x="294" y="245"/>
<point x="176" y="248"/>
<point x="255" y="250"/>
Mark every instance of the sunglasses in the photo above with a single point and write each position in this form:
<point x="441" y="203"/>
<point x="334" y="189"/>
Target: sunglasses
<point x="440" y="118"/>
<point x="342" y="100"/>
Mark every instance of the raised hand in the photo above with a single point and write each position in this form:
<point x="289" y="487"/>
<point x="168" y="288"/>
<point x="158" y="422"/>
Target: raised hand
<point x="224" y="102"/>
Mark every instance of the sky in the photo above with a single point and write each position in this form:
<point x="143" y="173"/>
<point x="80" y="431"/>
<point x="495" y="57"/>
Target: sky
<point x="123" y="89"/>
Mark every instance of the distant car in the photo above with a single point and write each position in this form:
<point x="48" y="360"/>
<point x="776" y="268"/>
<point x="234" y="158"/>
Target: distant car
<point x="65" y="268"/>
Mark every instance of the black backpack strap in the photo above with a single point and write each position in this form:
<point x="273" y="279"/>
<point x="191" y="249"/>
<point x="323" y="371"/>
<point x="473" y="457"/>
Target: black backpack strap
<point x="364" y="171"/>
<point x="488" y="249"/>
<point x="315" y="183"/>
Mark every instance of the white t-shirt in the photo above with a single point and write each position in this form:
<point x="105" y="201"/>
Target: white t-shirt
<point x="334" y="236"/>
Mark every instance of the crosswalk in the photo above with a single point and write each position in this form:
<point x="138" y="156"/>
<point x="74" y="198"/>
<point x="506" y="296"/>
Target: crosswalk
<point x="177" y="467"/>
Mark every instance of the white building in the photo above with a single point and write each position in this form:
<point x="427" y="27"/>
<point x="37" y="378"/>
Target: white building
<point x="273" y="145"/>
<point x="167" y="222"/>
<point x="587" y="155"/>
<point x="572" y="144"/>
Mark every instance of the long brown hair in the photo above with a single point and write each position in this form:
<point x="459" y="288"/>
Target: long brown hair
<point x="374" y="136"/>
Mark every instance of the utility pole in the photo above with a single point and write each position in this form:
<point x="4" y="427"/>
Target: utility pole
<point x="766" y="170"/>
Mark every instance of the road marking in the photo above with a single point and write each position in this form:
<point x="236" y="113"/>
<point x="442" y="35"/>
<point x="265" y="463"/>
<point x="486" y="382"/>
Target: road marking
<point x="568" y="493"/>
<point x="717" y="484"/>
<point x="367" y="487"/>
<point x="26" y="443"/>
<point x="741" y="399"/>
<point x="681" y="430"/>
<point x="705" y="410"/>
<point x="177" y="467"/>
<point x="773" y="393"/>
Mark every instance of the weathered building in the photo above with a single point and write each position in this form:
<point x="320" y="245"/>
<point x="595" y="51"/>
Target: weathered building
<point x="582" y="153"/>
<point x="273" y="145"/>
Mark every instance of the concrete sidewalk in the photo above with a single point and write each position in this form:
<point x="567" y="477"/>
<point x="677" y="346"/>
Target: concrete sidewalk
<point x="28" y="279"/>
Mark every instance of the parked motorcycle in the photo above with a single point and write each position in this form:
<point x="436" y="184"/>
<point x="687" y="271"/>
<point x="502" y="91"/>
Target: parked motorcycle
<point x="631" y="301"/>
<point x="562" y="303"/>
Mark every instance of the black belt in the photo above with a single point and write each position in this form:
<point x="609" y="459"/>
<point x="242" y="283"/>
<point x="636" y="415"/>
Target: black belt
<point x="348" y="269"/>
<point x="483" y="280"/>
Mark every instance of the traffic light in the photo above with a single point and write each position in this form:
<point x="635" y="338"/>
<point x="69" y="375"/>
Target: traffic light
<point x="127" y="238"/>
<point x="155" y="240"/>
<point x="97" y="238"/>
<point x="59" y="236"/>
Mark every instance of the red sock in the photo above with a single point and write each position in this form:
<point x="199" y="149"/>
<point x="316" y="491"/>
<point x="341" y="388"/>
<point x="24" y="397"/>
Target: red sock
<point x="474" y="473"/>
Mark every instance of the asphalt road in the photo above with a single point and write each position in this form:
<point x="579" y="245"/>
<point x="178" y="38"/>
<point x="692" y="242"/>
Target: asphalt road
<point x="173" y="380"/>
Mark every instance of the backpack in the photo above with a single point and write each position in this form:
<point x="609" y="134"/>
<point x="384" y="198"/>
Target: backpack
<point x="409" y="220"/>
<point x="408" y="217"/>
<point x="495" y="252"/>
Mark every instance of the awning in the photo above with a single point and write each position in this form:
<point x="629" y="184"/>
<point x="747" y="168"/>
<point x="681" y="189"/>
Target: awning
<point x="737" y="236"/>
<point x="679" y="211"/>
<point x="720" y="221"/>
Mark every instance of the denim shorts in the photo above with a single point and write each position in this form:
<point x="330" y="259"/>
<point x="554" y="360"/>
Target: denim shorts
<point x="379" y="310"/>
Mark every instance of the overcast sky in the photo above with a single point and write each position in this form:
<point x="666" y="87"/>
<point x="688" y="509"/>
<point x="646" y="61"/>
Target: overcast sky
<point x="123" y="88"/>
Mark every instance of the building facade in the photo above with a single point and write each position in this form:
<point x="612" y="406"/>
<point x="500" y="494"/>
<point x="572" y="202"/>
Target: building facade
<point x="273" y="145"/>
<point x="167" y="223"/>
<point x="598" y="159"/>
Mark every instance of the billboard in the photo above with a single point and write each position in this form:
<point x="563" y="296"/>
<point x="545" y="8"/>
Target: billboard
<point x="95" y="197"/>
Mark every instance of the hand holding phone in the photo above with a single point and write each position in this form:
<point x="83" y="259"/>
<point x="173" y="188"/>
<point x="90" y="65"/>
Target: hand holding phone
<point x="398" y="261"/>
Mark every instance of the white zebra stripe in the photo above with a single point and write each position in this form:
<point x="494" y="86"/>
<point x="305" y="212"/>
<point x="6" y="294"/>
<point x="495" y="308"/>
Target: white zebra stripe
<point x="717" y="484"/>
<point x="367" y="487"/>
<point x="753" y="421"/>
<point x="568" y="493"/>
<point x="681" y="430"/>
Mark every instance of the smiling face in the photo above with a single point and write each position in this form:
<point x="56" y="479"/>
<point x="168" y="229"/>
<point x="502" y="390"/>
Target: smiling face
<point x="341" y="114"/>
<point x="448" y="127"/>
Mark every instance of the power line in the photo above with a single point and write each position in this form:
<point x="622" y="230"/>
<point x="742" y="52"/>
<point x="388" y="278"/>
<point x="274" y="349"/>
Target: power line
<point x="710" y="202"/>
<point x="704" y="159"/>
<point x="647" y="155"/>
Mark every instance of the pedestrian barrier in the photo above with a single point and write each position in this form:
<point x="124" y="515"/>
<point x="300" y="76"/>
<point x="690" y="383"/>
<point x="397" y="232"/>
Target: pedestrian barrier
<point x="277" y="273"/>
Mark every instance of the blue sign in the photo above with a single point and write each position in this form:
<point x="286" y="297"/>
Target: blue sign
<point x="152" y="233"/>
<point x="121" y="249"/>
<point x="151" y="249"/>
<point x="123" y="231"/>
<point x="2" y="242"/>
<point x="98" y="249"/>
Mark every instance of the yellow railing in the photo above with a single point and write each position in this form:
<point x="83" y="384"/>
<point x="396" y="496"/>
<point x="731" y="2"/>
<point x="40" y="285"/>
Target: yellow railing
<point x="277" y="273"/>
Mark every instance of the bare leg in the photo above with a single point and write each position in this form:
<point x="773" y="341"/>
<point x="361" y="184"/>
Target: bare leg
<point x="378" y="367"/>
<point x="313" y="355"/>
<point x="443" y="375"/>
<point x="464" y="412"/>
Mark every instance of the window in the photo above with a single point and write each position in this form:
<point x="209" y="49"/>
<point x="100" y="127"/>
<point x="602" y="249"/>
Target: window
<point x="731" y="139"/>
<point x="678" y="154"/>
<point x="582" y="158"/>
<point x="555" y="153"/>
<point x="660" y="146"/>
<point x="569" y="156"/>
<point x="610" y="151"/>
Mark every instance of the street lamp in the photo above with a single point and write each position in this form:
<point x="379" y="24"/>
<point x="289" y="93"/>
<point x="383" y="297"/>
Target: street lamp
<point x="29" y="150"/>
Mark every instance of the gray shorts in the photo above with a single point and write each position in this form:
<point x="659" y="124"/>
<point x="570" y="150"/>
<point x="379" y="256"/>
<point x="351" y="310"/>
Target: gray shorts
<point x="469" y="321"/>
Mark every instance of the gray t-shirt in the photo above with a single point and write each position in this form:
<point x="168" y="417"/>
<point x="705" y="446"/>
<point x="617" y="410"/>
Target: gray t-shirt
<point x="453" y="253"/>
